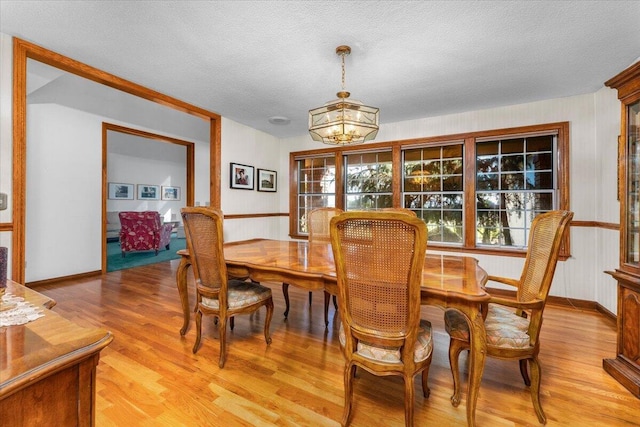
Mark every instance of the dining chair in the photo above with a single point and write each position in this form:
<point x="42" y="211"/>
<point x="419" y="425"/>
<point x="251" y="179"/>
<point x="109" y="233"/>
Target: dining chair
<point x="513" y="324"/>
<point x="379" y="258"/>
<point x="143" y="231"/>
<point x="318" y="229"/>
<point x="217" y="294"/>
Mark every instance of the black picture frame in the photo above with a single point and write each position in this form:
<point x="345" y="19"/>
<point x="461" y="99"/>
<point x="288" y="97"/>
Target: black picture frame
<point x="241" y="176"/>
<point x="267" y="180"/>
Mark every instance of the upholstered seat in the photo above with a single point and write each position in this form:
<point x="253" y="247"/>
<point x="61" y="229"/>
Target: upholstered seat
<point x="504" y="327"/>
<point x="216" y="294"/>
<point x="143" y="231"/>
<point x="422" y="350"/>
<point x="379" y="257"/>
<point x="513" y="324"/>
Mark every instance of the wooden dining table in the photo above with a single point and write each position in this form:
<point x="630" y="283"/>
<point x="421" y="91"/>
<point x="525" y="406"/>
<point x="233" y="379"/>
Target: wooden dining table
<point x="449" y="281"/>
<point x="48" y="367"/>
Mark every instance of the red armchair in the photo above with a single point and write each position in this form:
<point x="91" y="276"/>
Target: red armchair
<point x="143" y="231"/>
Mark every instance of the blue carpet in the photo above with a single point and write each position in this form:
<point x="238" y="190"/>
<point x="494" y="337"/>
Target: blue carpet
<point x="136" y="259"/>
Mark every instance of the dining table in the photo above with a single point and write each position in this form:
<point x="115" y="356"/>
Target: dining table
<point x="449" y="282"/>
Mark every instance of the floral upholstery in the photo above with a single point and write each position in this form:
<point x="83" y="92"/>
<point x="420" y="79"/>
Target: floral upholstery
<point x="240" y="294"/>
<point x="504" y="327"/>
<point x="143" y="231"/>
<point x="423" y="348"/>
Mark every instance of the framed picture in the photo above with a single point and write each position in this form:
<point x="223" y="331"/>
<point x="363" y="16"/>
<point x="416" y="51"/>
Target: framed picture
<point x="120" y="191"/>
<point x="170" y="193"/>
<point x="148" y="192"/>
<point x="241" y="176"/>
<point x="267" y="180"/>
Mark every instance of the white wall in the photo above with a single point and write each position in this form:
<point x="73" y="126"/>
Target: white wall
<point x="248" y="146"/>
<point x="593" y="162"/>
<point x="64" y="189"/>
<point x="136" y="170"/>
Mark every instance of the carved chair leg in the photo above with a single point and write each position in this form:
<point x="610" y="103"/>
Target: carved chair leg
<point x="455" y="348"/>
<point x="310" y="297"/>
<point x="198" y="331"/>
<point x="335" y="302"/>
<point x="408" y="401"/>
<point x="222" y="329"/>
<point x="349" y="373"/>
<point x="285" y="293"/>
<point x="534" y="366"/>
<point x="232" y="323"/>
<point x="524" y="372"/>
<point x="425" y="377"/>
<point x="267" y="322"/>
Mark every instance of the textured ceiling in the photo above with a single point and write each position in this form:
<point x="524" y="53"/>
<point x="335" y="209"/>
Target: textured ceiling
<point x="250" y="60"/>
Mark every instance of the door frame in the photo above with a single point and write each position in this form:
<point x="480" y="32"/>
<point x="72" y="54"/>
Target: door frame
<point x="23" y="50"/>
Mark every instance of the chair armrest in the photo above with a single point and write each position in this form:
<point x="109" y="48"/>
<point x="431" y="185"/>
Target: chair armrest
<point x="505" y="280"/>
<point x="510" y="302"/>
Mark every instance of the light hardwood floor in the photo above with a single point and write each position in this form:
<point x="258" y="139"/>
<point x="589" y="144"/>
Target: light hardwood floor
<point x="148" y="376"/>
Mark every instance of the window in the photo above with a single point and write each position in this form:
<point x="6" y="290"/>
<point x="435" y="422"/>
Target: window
<point x="433" y="188"/>
<point x="515" y="181"/>
<point x="477" y="191"/>
<point x="316" y="187"/>
<point x="368" y="183"/>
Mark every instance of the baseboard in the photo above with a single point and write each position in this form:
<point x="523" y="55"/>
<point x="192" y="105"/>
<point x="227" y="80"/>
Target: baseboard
<point x="62" y="279"/>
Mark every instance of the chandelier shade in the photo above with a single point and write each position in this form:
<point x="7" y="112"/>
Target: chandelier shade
<point x="343" y="121"/>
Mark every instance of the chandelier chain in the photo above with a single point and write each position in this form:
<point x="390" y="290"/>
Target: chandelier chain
<point x="343" y="73"/>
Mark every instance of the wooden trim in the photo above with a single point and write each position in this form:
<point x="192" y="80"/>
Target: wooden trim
<point x="190" y="165"/>
<point x="396" y="179"/>
<point x="609" y="315"/>
<point x="626" y="82"/>
<point x="6" y="226"/>
<point x="23" y="50"/>
<point x="469" y="195"/>
<point x="215" y="162"/>
<point x="561" y="129"/>
<point x="293" y="192"/>
<point x="596" y="224"/>
<point x="63" y="279"/>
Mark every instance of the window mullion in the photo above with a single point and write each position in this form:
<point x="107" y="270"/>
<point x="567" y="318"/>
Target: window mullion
<point x="469" y="193"/>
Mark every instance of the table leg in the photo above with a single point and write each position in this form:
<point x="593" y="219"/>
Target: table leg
<point x="477" y="356"/>
<point x="285" y="293"/>
<point x="181" y="283"/>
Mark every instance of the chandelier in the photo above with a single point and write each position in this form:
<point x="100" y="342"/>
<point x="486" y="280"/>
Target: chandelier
<point x="343" y="121"/>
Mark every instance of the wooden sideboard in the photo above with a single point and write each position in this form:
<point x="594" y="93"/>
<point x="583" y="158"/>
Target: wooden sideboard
<point x="48" y="368"/>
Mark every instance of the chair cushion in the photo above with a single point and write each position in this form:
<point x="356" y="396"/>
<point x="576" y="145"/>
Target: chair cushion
<point x="422" y="350"/>
<point x="504" y="327"/>
<point x="240" y="294"/>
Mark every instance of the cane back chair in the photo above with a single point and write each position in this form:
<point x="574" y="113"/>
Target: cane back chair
<point x="318" y="229"/>
<point x="379" y="258"/>
<point x="513" y="333"/>
<point x="217" y="294"/>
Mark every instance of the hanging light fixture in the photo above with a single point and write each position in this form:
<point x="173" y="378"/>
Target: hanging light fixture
<point x="343" y="121"/>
